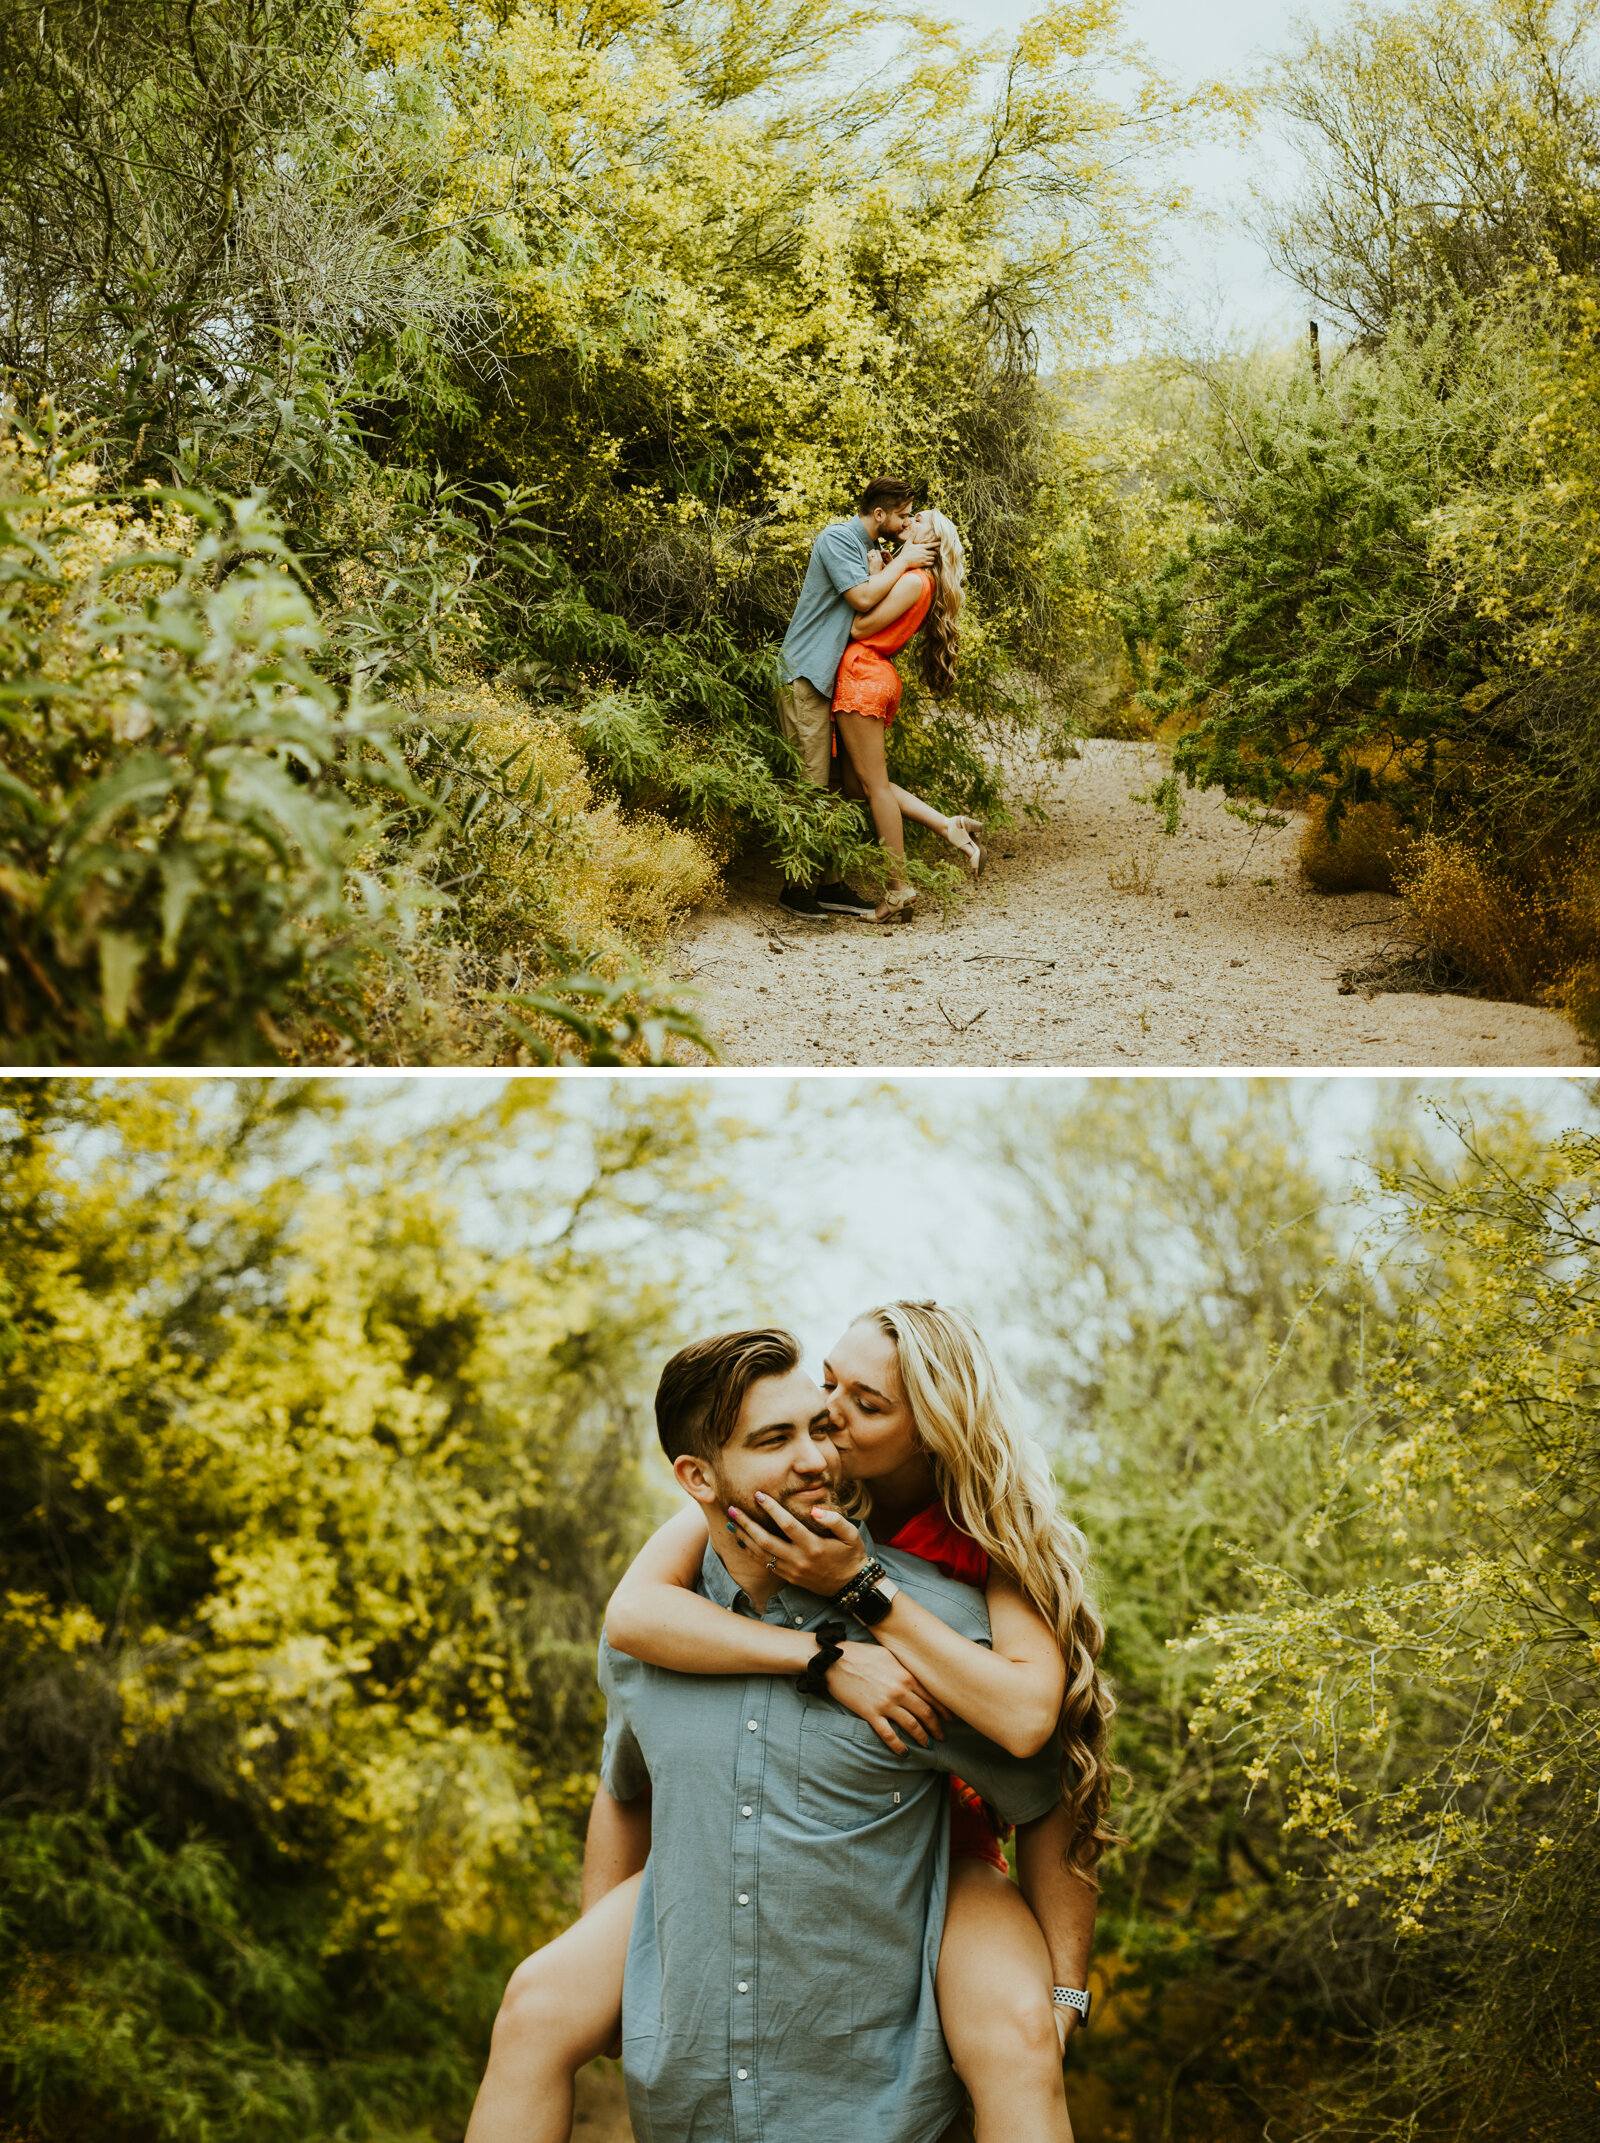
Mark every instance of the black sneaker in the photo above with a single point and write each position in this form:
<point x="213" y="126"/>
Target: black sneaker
<point x="839" y="899"/>
<point x="800" y="900"/>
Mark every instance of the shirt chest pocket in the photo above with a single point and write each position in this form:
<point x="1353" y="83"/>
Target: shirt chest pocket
<point x="848" y="1779"/>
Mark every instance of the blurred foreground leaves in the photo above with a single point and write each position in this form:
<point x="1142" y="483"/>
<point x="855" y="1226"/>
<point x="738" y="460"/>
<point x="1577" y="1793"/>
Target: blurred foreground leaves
<point x="309" y="1504"/>
<point x="1343" y="1490"/>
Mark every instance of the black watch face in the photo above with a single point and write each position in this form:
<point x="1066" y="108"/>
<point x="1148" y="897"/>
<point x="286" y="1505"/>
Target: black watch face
<point x="873" y="1606"/>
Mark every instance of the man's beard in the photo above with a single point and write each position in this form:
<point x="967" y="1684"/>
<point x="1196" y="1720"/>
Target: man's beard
<point x="802" y="1516"/>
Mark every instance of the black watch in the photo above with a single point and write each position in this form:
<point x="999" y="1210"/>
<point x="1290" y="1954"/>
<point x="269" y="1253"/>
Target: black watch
<point x="869" y="1594"/>
<point x="866" y="1597"/>
<point x="872" y="1606"/>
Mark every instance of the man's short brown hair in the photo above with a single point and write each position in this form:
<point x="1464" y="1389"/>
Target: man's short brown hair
<point x="885" y="491"/>
<point x="703" y="1387"/>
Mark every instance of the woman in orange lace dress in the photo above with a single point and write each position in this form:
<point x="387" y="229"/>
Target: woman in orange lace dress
<point x="867" y="696"/>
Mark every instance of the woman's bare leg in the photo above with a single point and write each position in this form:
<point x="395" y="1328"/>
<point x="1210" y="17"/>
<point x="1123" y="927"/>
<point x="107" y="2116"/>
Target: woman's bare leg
<point x="866" y="775"/>
<point x="562" y="2007"/>
<point x="954" y="830"/>
<point x="994" y="2004"/>
<point x="862" y="739"/>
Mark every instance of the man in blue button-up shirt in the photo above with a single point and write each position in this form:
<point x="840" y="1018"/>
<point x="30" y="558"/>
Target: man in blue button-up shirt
<point x="839" y="587"/>
<point x="780" y="1974"/>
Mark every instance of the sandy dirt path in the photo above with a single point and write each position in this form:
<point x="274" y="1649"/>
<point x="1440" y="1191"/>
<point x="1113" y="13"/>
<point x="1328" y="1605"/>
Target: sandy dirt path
<point x="1095" y="940"/>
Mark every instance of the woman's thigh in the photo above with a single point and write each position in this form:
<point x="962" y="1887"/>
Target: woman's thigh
<point x="862" y="739"/>
<point x="994" y="1966"/>
<point x="569" y="1994"/>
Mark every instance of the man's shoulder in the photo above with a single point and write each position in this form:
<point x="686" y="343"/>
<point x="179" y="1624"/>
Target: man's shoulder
<point x="842" y="536"/>
<point x="963" y="1607"/>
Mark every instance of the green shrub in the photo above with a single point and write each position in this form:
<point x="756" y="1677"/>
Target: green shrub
<point x="233" y="817"/>
<point x="1307" y="635"/>
<point x="309" y="1506"/>
<point x="147" y="1991"/>
<point x="175" y="849"/>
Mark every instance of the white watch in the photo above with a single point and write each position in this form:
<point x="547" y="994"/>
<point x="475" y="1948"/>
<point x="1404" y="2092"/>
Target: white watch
<point x="1078" y="1998"/>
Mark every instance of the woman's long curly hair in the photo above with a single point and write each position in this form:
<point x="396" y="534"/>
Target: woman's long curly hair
<point x="940" y="639"/>
<point x="993" y="1480"/>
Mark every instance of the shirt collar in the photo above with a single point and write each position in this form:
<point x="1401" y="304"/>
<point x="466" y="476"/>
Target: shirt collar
<point x="717" y="1582"/>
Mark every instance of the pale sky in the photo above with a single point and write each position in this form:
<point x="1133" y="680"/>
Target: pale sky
<point x="1224" y="278"/>
<point x="863" y="1206"/>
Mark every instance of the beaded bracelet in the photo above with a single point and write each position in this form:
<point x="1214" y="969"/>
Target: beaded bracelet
<point x="863" y="1581"/>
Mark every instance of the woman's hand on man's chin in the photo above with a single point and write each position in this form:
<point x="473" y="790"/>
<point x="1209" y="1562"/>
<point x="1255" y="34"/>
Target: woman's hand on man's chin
<point x="822" y="1562"/>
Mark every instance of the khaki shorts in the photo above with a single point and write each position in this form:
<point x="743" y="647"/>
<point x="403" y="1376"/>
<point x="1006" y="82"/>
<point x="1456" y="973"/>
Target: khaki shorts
<point x="806" y="719"/>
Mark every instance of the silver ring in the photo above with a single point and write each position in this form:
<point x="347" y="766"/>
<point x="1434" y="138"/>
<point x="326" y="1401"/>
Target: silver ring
<point x="772" y="1566"/>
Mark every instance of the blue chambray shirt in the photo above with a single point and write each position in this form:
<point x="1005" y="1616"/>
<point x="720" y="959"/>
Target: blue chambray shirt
<point x="819" y="631"/>
<point x="780" y="1977"/>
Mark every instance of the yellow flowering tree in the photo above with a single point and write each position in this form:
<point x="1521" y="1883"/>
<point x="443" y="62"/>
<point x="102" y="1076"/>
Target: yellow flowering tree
<point x="1520" y="549"/>
<point x="1430" y="1725"/>
<point x="1449" y="147"/>
<point x="318" y="1456"/>
<point x="741" y="268"/>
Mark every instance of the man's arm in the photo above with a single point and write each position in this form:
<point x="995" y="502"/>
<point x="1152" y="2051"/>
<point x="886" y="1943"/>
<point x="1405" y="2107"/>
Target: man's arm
<point x="871" y="592"/>
<point x="894" y="605"/>
<point x="617" y="1846"/>
<point x="1061" y="1901"/>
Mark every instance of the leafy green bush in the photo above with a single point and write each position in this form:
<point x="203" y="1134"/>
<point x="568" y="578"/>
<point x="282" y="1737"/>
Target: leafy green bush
<point x="147" y="1992"/>
<point x="309" y="1506"/>
<point x="177" y="862"/>
<point x="1308" y="636"/>
<point x="1430" y="1717"/>
<point x="228" y="811"/>
<point x="1388" y="620"/>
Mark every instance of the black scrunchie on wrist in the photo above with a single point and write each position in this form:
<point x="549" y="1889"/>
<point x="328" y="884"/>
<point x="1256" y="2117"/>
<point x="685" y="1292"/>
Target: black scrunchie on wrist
<point x="830" y="1647"/>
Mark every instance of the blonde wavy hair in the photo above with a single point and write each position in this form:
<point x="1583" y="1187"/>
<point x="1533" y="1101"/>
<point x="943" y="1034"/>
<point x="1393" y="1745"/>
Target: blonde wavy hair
<point x="995" y="1483"/>
<point x="940" y="639"/>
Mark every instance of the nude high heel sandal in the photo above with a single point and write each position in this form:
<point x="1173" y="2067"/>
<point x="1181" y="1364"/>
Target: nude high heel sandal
<point x="977" y="855"/>
<point x="897" y="906"/>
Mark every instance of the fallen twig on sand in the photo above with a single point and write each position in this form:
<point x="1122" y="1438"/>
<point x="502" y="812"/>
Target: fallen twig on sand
<point x="959" y="1026"/>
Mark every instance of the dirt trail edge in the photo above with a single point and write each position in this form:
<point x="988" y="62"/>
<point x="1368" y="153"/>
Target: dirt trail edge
<point x="1095" y="940"/>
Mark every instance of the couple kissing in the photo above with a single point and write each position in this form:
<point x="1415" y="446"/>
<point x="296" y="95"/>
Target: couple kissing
<point x="833" y="1686"/>
<point x="839" y="688"/>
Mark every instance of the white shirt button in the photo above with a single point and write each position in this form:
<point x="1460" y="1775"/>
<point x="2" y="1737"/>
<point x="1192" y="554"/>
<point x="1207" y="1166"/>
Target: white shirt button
<point x="741" y="2074"/>
<point x="744" y="1897"/>
<point x="751" y="1724"/>
<point x="747" y="1811"/>
<point x="744" y="1986"/>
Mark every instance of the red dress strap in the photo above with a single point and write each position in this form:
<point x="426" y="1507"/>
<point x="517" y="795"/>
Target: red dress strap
<point x="934" y="1536"/>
